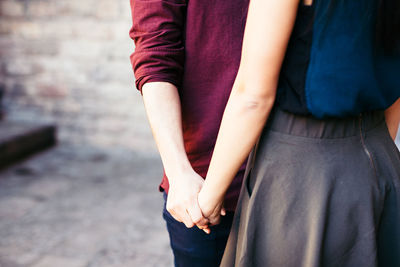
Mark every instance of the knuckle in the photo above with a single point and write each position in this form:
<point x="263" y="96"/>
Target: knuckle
<point x="189" y="225"/>
<point x="197" y="221"/>
<point x="171" y="207"/>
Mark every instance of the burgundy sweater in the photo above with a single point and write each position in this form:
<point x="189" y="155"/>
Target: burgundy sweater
<point x="195" y="45"/>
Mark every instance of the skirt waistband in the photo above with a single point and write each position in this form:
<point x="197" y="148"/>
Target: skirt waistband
<point x="309" y="126"/>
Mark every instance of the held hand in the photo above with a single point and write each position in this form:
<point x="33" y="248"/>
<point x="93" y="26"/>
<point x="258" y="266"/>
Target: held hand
<point x="182" y="199"/>
<point x="212" y="210"/>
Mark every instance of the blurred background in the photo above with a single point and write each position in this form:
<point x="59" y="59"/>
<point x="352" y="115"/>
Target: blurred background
<point x="89" y="199"/>
<point x="83" y="192"/>
<point x="68" y="62"/>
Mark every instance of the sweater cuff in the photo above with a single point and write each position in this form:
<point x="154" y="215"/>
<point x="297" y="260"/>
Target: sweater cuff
<point x="140" y="81"/>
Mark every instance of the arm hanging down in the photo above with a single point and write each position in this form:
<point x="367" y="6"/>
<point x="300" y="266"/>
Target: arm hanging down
<point x="157" y="29"/>
<point x="268" y="29"/>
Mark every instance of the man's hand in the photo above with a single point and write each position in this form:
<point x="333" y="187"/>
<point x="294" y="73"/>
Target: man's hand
<point x="163" y="109"/>
<point x="182" y="199"/>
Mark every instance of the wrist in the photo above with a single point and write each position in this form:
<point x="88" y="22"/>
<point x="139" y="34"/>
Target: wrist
<point x="178" y="172"/>
<point x="210" y="198"/>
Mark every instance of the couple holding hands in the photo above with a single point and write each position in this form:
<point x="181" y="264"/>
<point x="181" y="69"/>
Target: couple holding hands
<point x="275" y="123"/>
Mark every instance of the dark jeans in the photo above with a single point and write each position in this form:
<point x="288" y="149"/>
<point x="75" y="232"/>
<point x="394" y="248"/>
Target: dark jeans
<point x="192" y="247"/>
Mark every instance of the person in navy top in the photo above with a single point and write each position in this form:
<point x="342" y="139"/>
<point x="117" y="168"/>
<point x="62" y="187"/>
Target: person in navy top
<point x="316" y="103"/>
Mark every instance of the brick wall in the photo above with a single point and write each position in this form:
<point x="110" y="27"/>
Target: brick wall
<point x="67" y="61"/>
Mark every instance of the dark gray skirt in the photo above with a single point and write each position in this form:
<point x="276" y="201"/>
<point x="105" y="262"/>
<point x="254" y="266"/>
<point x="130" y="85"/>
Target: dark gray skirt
<point x="319" y="193"/>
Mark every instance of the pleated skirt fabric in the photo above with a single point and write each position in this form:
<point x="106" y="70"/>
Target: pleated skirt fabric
<point x="319" y="193"/>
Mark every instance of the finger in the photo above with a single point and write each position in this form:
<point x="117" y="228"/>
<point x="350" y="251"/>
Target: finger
<point x="200" y="221"/>
<point x="206" y="229"/>
<point x="223" y="211"/>
<point x="184" y="216"/>
<point x="196" y="215"/>
<point x="174" y="215"/>
<point x="180" y="215"/>
<point x="214" y="220"/>
<point x="202" y="227"/>
<point x="172" y="210"/>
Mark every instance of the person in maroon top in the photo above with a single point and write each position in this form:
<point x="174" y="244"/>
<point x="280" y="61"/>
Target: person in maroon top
<point x="185" y="61"/>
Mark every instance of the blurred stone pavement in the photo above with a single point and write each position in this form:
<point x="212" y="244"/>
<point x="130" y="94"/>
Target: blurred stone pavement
<point x="92" y="200"/>
<point x="82" y="206"/>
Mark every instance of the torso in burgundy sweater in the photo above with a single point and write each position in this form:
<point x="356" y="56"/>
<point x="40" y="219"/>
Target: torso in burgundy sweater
<point x="196" y="45"/>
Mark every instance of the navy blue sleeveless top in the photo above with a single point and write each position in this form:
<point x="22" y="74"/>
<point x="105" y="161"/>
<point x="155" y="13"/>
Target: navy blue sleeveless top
<point x="332" y="67"/>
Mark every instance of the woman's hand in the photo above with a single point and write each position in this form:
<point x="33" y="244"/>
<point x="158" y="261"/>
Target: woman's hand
<point x="268" y="28"/>
<point x="211" y="209"/>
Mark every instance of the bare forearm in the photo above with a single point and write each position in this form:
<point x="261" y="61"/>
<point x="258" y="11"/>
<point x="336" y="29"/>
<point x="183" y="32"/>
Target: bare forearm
<point x="242" y="123"/>
<point x="392" y="115"/>
<point x="163" y="110"/>
<point x="267" y="32"/>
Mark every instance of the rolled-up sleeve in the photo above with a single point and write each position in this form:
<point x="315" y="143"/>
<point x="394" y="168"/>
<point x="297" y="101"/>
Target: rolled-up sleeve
<point x="157" y="31"/>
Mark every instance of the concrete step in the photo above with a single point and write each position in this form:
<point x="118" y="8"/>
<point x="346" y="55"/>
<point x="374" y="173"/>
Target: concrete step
<point x="19" y="140"/>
